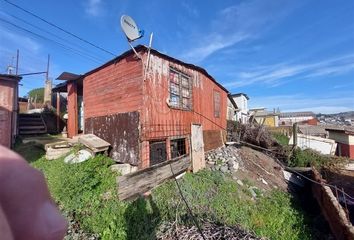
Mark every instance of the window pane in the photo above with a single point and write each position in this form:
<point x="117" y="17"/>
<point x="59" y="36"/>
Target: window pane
<point x="185" y="92"/>
<point x="216" y="104"/>
<point x="175" y="89"/>
<point x="174" y="77"/>
<point x="186" y="103"/>
<point x="185" y="81"/>
<point x="174" y="100"/>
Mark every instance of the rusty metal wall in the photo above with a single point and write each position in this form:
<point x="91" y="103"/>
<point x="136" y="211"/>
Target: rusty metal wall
<point x="156" y="95"/>
<point x="121" y="130"/>
<point x="8" y="110"/>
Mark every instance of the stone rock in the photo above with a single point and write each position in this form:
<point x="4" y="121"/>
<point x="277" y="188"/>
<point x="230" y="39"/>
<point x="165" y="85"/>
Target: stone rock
<point x="253" y="193"/>
<point x="230" y="163"/>
<point x="239" y="182"/>
<point x="55" y="153"/>
<point x="123" y="168"/>
<point x="81" y="156"/>
<point x="264" y="181"/>
<point x="236" y="166"/>
<point x="223" y="169"/>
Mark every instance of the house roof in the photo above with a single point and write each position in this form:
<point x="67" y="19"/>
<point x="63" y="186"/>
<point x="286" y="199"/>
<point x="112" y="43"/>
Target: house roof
<point x="344" y="129"/>
<point x="10" y="77"/>
<point x="240" y="94"/>
<point x="232" y="101"/>
<point x="312" y="130"/>
<point x="297" y="114"/>
<point x="141" y="48"/>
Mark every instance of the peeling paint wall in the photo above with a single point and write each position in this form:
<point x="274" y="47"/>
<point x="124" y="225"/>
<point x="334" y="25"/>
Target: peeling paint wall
<point x="156" y="97"/>
<point x="121" y="130"/>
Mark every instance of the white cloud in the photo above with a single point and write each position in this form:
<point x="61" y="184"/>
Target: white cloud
<point x="273" y="75"/>
<point x="94" y="7"/>
<point x="332" y="103"/>
<point x="240" y="22"/>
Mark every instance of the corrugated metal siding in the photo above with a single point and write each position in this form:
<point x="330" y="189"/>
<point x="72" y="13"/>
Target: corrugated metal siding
<point x="114" y="89"/>
<point x="156" y="93"/>
<point x="7" y="111"/>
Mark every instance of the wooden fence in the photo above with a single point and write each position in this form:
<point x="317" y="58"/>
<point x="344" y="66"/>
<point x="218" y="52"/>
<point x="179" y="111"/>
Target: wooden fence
<point x="332" y="210"/>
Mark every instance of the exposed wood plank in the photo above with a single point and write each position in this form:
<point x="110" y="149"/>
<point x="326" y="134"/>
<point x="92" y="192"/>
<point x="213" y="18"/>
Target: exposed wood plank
<point x="134" y="184"/>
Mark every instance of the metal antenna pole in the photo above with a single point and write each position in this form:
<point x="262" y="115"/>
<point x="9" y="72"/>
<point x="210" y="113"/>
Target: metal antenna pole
<point x="17" y="58"/>
<point x="47" y="74"/>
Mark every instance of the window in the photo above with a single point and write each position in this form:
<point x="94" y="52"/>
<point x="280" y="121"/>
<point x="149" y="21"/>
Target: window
<point x="157" y="152"/>
<point x="180" y="90"/>
<point x="178" y="147"/>
<point x="216" y="104"/>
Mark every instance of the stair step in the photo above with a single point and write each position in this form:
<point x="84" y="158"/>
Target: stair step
<point x="30" y="123"/>
<point x="33" y="127"/>
<point x="33" y="132"/>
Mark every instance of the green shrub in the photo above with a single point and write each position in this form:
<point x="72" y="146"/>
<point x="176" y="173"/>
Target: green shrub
<point x="310" y="158"/>
<point x="281" y="138"/>
<point x="87" y="191"/>
<point x="212" y="197"/>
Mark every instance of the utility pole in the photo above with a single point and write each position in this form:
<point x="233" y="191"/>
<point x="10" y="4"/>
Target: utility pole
<point x="48" y="87"/>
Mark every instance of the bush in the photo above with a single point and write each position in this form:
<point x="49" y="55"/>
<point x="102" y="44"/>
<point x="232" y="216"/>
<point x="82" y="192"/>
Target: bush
<point x="87" y="191"/>
<point x="281" y="138"/>
<point x="310" y="158"/>
<point x="214" y="198"/>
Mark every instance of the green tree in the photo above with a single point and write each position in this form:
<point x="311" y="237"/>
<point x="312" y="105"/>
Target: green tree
<point x="39" y="92"/>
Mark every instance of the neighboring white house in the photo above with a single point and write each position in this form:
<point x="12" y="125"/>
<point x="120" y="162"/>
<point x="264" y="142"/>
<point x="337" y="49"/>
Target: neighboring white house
<point x="241" y="101"/>
<point x="289" y="118"/>
<point x="231" y="108"/>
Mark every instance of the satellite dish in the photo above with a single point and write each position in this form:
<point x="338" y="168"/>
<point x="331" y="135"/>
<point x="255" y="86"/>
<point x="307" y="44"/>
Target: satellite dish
<point x="130" y="28"/>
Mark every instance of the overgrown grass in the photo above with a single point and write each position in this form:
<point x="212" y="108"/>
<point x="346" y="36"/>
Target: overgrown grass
<point x="87" y="192"/>
<point x="310" y="158"/>
<point x="29" y="151"/>
<point x="281" y="138"/>
<point x="214" y="198"/>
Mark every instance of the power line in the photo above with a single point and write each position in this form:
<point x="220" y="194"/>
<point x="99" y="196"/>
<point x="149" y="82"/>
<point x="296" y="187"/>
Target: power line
<point x="51" y="40"/>
<point x="50" y="33"/>
<point x="186" y="203"/>
<point x="60" y="28"/>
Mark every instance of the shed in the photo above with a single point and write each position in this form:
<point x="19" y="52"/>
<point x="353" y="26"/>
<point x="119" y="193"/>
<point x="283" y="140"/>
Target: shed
<point x="8" y="109"/>
<point x="145" y="106"/>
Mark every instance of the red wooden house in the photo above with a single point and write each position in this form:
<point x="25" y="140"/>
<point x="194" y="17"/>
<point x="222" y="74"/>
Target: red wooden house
<point x="144" y="106"/>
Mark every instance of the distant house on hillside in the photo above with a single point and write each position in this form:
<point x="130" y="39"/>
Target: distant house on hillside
<point x="289" y="118"/>
<point x="241" y="101"/>
<point x="146" y="106"/>
<point x="264" y="117"/>
<point x="344" y="137"/>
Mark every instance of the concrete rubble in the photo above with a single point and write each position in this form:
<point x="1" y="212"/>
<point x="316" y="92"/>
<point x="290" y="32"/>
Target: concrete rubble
<point x="224" y="159"/>
<point x="124" y="168"/>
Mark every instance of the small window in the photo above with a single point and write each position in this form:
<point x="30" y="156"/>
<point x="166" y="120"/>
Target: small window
<point x="216" y="104"/>
<point x="180" y="90"/>
<point x="157" y="152"/>
<point x="178" y="147"/>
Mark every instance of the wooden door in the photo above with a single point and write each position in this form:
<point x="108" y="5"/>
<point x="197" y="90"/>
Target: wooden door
<point x="197" y="148"/>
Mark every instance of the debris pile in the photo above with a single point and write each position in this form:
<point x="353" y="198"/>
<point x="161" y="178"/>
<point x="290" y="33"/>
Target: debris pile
<point x="224" y="159"/>
<point x="257" y="135"/>
<point x="210" y="231"/>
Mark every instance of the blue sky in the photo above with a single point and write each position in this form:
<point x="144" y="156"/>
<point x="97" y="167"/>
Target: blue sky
<point x="295" y="55"/>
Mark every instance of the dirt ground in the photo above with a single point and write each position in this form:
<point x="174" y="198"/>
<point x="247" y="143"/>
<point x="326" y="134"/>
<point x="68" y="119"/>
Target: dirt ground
<point x="257" y="167"/>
